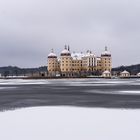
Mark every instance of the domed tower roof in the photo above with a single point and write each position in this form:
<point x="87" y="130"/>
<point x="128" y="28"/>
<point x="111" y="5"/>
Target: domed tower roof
<point x="106" y="52"/>
<point x="66" y="51"/>
<point x="52" y="55"/>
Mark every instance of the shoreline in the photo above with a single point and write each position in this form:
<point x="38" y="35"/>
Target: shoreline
<point x="94" y="77"/>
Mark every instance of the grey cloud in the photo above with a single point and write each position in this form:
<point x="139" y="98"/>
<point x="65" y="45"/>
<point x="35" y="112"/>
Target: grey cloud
<point x="30" y="28"/>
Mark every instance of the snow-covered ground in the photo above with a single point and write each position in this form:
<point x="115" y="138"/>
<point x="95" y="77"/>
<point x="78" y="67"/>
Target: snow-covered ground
<point x="65" y="123"/>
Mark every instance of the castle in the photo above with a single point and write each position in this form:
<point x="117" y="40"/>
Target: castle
<point x="79" y="64"/>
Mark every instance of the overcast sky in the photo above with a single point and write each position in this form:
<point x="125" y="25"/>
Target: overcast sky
<point x="29" y="29"/>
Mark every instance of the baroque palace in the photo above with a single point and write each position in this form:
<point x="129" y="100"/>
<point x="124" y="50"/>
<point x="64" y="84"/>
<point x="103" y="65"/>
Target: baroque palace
<point x="79" y="64"/>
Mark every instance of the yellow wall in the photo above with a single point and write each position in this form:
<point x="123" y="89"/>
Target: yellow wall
<point x="66" y="64"/>
<point x="106" y="63"/>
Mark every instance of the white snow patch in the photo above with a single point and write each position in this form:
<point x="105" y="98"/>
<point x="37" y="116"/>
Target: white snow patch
<point x="65" y="123"/>
<point x="7" y="88"/>
<point x="131" y="91"/>
<point x="22" y="82"/>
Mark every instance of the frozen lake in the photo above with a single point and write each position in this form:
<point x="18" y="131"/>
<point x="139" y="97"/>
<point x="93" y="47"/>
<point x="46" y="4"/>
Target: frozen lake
<point x="103" y="93"/>
<point x="72" y="109"/>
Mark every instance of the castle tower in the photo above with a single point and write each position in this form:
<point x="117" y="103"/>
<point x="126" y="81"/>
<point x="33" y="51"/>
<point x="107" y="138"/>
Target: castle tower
<point x="53" y="65"/>
<point x="106" y="60"/>
<point x="66" y="62"/>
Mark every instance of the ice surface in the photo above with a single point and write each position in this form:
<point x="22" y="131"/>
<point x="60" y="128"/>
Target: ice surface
<point x="123" y="92"/>
<point x="65" y="123"/>
<point x="7" y="87"/>
<point x="22" y="82"/>
<point x="71" y="82"/>
<point x="131" y="92"/>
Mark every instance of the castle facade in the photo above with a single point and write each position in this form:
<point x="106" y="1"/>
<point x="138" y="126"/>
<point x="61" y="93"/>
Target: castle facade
<point x="78" y="64"/>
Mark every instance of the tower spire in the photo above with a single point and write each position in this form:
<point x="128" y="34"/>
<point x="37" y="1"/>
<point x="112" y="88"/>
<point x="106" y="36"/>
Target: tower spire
<point x="106" y="48"/>
<point x="52" y="50"/>
<point x="65" y="47"/>
<point x="68" y="48"/>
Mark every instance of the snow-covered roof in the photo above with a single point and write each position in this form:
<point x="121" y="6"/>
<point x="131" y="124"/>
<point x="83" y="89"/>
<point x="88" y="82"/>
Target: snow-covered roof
<point x="77" y="56"/>
<point x="89" y="54"/>
<point x="106" y="52"/>
<point x="138" y="74"/>
<point x="125" y="72"/>
<point x="65" y="51"/>
<point x="52" y="54"/>
<point x="106" y="72"/>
